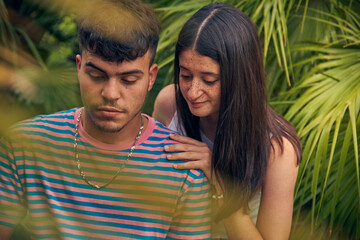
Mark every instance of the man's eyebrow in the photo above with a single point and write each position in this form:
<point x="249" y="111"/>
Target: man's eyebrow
<point x="90" y="64"/>
<point x="130" y="72"/>
<point x="207" y="73"/>
<point x="136" y="71"/>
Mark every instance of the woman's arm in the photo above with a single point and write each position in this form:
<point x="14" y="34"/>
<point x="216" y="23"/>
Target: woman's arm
<point x="240" y="226"/>
<point x="277" y="198"/>
<point x="165" y="105"/>
<point x="5" y="232"/>
<point x="276" y="207"/>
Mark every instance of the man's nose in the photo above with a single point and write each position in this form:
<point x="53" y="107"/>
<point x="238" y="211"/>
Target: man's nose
<point x="111" y="89"/>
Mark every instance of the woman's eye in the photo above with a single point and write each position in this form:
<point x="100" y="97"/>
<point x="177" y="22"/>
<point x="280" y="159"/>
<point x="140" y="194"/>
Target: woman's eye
<point x="185" y="76"/>
<point x="210" y="81"/>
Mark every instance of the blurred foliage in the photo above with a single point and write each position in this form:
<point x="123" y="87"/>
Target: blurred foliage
<point x="38" y="73"/>
<point x="312" y="61"/>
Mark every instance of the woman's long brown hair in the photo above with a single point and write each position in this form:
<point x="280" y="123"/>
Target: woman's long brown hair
<point x="247" y="127"/>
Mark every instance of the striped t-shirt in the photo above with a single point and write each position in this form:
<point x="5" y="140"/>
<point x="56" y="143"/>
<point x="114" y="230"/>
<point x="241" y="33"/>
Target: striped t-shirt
<point x="41" y="185"/>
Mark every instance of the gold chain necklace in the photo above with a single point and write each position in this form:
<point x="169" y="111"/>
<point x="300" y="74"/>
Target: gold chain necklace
<point x="82" y="174"/>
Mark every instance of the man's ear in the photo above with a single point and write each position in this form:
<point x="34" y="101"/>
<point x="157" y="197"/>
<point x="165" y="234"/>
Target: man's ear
<point x="78" y="62"/>
<point x="152" y="75"/>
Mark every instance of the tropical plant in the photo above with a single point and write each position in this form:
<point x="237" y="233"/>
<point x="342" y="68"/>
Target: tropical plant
<point x="38" y="75"/>
<point x="327" y="116"/>
<point x="312" y="61"/>
<point x="311" y="55"/>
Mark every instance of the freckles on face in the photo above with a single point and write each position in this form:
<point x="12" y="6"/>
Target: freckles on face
<point x="199" y="81"/>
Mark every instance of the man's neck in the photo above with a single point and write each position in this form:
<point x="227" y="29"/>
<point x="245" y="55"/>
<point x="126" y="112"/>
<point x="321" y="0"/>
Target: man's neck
<point x="126" y="135"/>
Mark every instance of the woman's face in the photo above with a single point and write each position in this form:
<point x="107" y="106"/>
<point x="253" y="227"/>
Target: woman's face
<point x="200" y="83"/>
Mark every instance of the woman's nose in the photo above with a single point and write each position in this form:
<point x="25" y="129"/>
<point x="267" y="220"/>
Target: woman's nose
<point x="194" y="90"/>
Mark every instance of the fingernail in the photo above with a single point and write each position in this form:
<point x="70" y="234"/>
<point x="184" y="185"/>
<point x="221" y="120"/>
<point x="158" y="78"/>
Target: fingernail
<point x="168" y="156"/>
<point x="175" y="166"/>
<point x="166" y="147"/>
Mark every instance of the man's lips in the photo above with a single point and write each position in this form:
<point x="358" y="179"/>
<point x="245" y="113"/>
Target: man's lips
<point x="109" y="112"/>
<point x="109" y="109"/>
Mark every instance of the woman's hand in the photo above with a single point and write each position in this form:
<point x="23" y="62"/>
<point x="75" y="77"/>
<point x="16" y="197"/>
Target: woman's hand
<point x="197" y="153"/>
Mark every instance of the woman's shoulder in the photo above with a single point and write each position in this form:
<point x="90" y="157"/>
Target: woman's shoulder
<point x="286" y="149"/>
<point x="165" y="105"/>
<point x="284" y="138"/>
<point x="283" y="158"/>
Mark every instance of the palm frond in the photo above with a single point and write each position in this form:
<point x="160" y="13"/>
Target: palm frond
<point x="327" y="107"/>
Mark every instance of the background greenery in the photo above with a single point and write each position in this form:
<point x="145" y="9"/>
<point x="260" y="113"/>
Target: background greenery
<point x="312" y="61"/>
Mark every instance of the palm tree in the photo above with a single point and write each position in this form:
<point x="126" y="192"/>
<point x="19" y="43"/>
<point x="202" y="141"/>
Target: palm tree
<point x="327" y="117"/>
<point x="311" y="56"/>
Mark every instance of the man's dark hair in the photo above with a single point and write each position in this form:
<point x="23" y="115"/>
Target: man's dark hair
<point x="118" y="30"/>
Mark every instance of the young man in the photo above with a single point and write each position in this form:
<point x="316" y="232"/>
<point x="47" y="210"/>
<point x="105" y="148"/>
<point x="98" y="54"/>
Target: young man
<point x="100" y="172"/>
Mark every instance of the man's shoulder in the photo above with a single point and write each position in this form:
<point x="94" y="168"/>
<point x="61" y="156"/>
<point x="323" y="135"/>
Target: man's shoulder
<point x="157" y="136"/>
<point x="160" y="137"/>
<point x="160" y="130"/>
<point x="54" y="120"/>
<point x="61" y="115"/>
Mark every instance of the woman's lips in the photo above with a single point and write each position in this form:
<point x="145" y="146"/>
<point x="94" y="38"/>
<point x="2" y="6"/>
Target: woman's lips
<point x="197" y="104"/>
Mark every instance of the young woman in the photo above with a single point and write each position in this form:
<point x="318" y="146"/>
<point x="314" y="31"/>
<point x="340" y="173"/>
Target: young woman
<point x="249" y="152"/>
